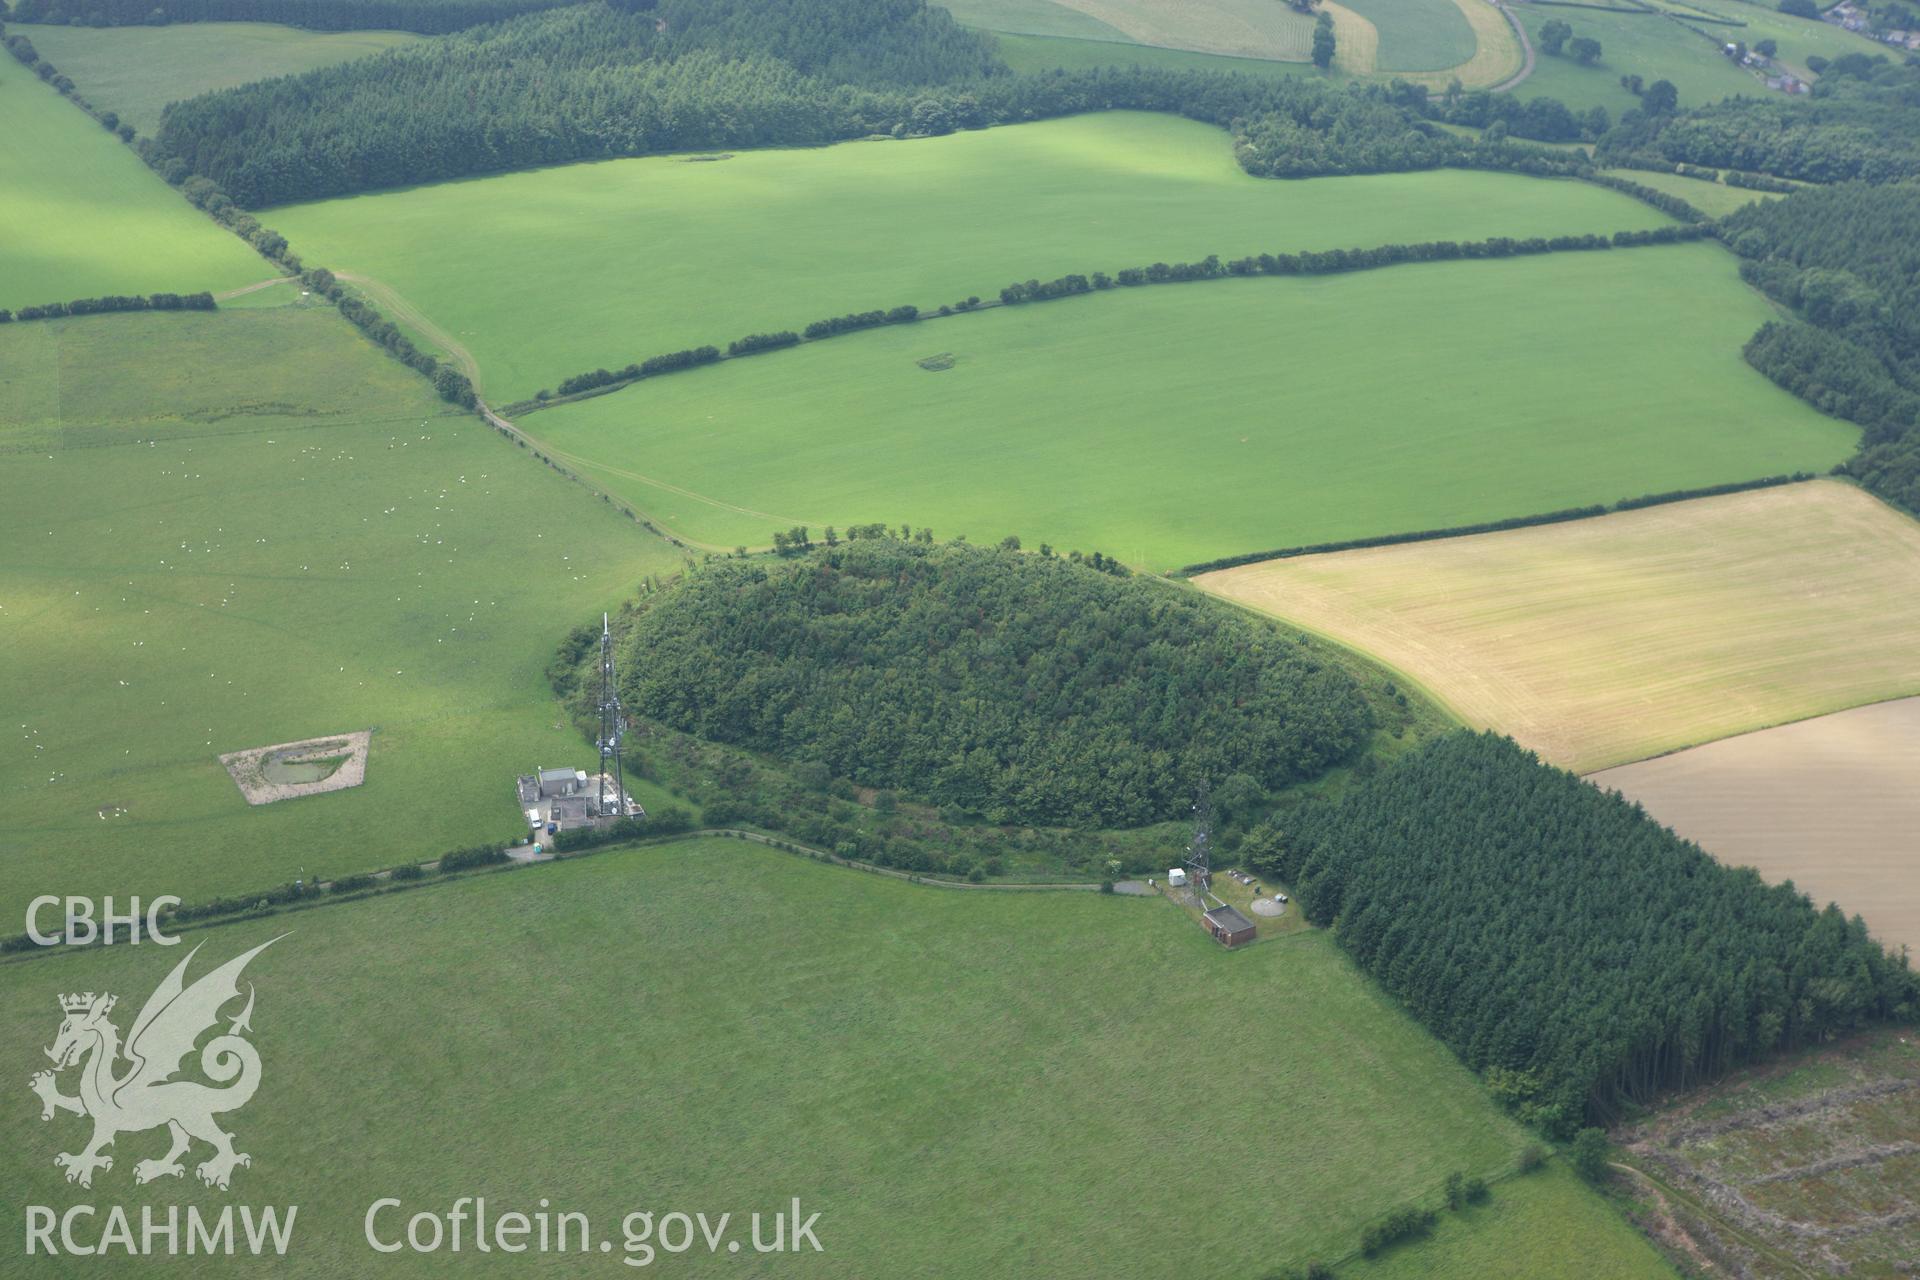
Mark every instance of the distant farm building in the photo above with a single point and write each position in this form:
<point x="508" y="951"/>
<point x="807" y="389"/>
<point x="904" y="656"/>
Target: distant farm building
<point x="1229" y="926"/>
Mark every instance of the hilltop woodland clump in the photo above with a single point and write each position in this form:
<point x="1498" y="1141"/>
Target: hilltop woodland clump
<point x="1563" y="943"/>
<point x="592" y="81"/>
<point x="1847" y="260"/>
<point x="1019" y="688"/>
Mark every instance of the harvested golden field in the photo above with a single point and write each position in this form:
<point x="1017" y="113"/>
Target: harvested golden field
<point x="1602" y="641"/>
<point x="1829" y="803"/>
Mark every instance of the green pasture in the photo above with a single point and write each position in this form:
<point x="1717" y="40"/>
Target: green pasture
<point x="1028" y="53"/>
<point x="136" y="71"/>
<point x="961" y="1083"/>
<point x="1246" y="28"/>
<point x="1798" y="38"/>
<point x="1656" y="47"/>
<point x="1034" y="18"/>
<point x="1539" y="1227"/>
<point x="548" y="273"/>
<point x="1178" y="423"/>
<point x="80" y="216"/>
<point x="1633" y="43"/>
<point x="1715" y="199"/>
<point x="245" y="528"/>
<point x="1418" y="35"/>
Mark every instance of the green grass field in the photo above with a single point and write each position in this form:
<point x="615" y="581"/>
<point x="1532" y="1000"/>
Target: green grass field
<point x="1798" y="38"/>
<point x="1417" y="35"/>
<point x="1028" y="53"/>
<point x="1241" y="28"/>
<point x="247" y="528"/>
<point x="1543" y="1225"/>
<point x="521" y="268"/>
<point x="80" y="216"/>
<point x="1655" y="48"/>
<point x="1174" y="424"/>
<point x="136" y="71"/>
<point x="959" y="1083"/>
<point x="1034" y="18"/>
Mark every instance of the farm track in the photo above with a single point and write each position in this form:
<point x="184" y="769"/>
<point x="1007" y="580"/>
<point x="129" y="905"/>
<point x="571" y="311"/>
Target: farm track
<point x="462" y="358"/>
<point x="1526" y="49"/>
<point x="255" y="287"/>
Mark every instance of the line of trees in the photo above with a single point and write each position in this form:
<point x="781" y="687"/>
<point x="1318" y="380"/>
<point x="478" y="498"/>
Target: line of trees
<point x="1495" y="526"/>
<point x="1331" y="261"/>
<point x="1671" y="205"/>
<point x="752" y="344"/>
<point x="670" y="362"/>
<point x="833" y="326"/>
<point x="1569" y="948"/>
<point x="1208" y="268"/>
<point x="27" y="56"/>
<point x="757" y="342"/>
<point x="207" y="196"/>
<point x="112" y="302"/>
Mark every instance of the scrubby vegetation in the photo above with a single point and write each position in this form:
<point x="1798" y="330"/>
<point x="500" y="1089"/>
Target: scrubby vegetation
<point x="1015" y="686"/>
<point x="1567" y="946"/>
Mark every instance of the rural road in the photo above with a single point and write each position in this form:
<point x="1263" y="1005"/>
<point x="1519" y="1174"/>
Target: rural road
<point x="1526" y="49"/>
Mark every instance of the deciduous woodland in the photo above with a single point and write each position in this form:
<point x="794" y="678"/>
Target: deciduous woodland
<point x="1847" y="259"/>
<point x="1022" y="687"/>
<point x="1578" y="954"/>
<point x="1861" y="124"/>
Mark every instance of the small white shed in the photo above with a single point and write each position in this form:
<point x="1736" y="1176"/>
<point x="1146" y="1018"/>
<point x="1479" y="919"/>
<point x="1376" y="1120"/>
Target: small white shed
<point x="1177" y="876"/>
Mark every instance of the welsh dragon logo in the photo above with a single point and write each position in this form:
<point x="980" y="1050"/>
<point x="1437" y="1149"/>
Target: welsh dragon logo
<point x="145" y="1095"/>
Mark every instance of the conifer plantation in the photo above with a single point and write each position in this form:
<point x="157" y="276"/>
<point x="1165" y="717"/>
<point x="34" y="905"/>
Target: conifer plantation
<point x="1568" y="947"/>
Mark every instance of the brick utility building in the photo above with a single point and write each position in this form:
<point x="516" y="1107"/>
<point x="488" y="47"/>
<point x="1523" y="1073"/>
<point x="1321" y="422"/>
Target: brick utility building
<point x="1229" y="926"/>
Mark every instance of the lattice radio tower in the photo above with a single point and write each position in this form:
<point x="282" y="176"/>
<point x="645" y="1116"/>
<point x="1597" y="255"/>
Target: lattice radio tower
<point x="613" y="781"/>
<point x="1199" y="861"/>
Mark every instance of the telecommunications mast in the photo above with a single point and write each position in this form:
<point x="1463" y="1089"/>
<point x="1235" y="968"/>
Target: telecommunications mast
<point x="613" y="782"/>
